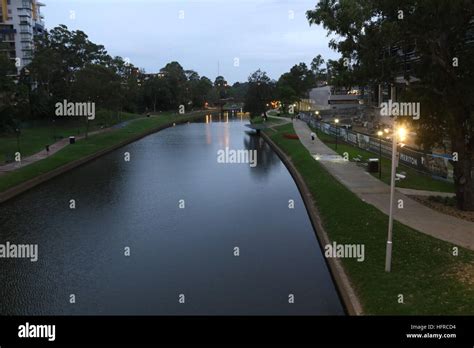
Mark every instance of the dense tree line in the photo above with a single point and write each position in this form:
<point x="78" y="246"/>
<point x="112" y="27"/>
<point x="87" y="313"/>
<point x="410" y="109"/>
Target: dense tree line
<point x="68" y="66"/>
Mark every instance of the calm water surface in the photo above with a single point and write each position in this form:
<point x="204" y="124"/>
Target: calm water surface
<point x="173" y="251"/>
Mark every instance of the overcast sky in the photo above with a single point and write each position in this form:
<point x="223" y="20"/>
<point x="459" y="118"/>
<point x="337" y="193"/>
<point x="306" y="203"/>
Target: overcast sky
<point x="269" y="34"/>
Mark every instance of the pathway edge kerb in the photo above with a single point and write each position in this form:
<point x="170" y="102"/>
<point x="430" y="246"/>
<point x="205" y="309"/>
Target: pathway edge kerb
<point x="346" y="291"/>
<point x="31" y="183"/>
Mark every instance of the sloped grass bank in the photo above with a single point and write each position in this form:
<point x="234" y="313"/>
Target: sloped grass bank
<point x="424" y="270"/>
<point x="91" y="146"/>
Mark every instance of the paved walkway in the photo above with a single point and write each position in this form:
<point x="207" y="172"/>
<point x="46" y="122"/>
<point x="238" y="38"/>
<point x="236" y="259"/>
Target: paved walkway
<point x="377" y="193"/>
<point x="61" y="144"/>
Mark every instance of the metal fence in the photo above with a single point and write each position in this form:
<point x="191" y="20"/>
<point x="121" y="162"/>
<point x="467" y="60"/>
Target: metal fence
<point x="436" y="165"/>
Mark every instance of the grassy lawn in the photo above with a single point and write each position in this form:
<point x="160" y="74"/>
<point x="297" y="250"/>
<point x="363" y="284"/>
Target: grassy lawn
<point x="275" y="113"/>
<point x="34" y="139"/>
<point x="87" y="147"/>
<point x="270" y="121"/>
<point x="431" y="280"/>
<point x="413" y="180"/>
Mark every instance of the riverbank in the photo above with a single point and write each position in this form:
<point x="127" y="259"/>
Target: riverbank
<point x="345" y="289"/>
<point x="428" y="275"/>
<point x="37" y="135"/>
<point x="85" y="150"/>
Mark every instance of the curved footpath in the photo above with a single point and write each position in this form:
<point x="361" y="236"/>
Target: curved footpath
<point x="373" y="191"/>
<point x="57" y="146"/>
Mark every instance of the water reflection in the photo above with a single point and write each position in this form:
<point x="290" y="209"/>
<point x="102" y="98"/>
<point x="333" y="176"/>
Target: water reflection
<point x="173" y="251"/>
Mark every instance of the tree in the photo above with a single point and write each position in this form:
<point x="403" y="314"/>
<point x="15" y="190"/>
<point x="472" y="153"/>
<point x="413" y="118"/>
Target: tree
<point x="197" y="88"/>
<point x="300" y="79"/>
<point x="319" y="72"/>
<point x="260" y="92"/>
<point x="431" y="44"/>
<point x="220" y="84"/>
<point x="200" y="91"/>
<point x="7" y="94"/>
<point x="286" y="94"/>
<point x="175" y="78"/>
<point x="238" y="91"/>
<point x="157" y="94"/>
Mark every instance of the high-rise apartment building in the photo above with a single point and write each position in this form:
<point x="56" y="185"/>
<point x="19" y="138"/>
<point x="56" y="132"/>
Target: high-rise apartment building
<point x="20" y="21"/>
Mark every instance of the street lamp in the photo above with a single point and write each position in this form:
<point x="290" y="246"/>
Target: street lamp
<point x="400" y="133"/>
<point x="54" y="129"/>
<point x="380" y="133"/>
<point x="17" y="131"/>
<point x="336" y="121"/>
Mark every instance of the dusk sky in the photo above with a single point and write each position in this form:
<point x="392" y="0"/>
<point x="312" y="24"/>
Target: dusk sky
<point x="268" y="34"/>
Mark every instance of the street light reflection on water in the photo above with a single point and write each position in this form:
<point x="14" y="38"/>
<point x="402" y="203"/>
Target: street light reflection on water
<point x="173" y="251"/>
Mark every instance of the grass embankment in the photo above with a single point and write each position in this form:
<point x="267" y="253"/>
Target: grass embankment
<point x="88" y="147"/>
<point x="424" y="270"/>
<point x="34" y="139"/>
<point x="414" y="179"/>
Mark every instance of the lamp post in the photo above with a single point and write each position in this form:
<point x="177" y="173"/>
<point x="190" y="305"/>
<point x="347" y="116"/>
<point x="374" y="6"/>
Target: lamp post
<point x="399" y="133"/>
<point x="54" y="129"/>
<point x="336" y="121"/>
<point x="17" y="131"/>
<point x="380" y="133"/>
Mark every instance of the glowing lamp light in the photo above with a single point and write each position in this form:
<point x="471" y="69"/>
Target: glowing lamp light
<point x="379" y="133"/>
<point x="336" y="121"/>
<point x="402" y="133"/>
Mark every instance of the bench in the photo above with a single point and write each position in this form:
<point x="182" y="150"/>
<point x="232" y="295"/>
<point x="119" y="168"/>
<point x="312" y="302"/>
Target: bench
<point x="400" y="176"/>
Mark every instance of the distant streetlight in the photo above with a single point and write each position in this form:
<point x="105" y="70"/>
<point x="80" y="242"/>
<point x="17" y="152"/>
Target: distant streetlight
<point x="380" y="133"/>
<point x="398" y="135"/>
<point x="336" y="121"/>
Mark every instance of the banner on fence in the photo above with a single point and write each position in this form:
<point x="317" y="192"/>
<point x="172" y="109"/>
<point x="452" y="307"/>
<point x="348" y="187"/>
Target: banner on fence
<point x="433" y="164"/>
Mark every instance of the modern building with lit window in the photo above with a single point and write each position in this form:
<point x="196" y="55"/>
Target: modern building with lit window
<point x="20" y="21"/>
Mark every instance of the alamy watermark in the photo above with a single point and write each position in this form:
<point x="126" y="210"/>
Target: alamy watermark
<point x="37" y="331"/>
<point x="19" y="251"/>
<point x="237" y="157"/>
<point x="392" y="108"/>
<point x="350" y="251"/>
<point x="86" y="109"/>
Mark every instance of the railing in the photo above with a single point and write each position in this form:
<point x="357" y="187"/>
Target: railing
<point x="436" y="165"/>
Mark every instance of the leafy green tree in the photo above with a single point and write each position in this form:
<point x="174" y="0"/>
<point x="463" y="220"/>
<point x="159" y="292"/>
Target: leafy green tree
<point x="175" y="78"/>
<point x="238" y="91"/>
<point x="317" y="67"/>
<point x="197" y="89"/>
<point x="430" y="43"/>
<point x="7" y="94"/>
<point x="260" y="92"/>
<point x="157" y="94"/>
<point x="300" y="79"/>
<point x="220" y="84"/>
<point x="286" y="94"/>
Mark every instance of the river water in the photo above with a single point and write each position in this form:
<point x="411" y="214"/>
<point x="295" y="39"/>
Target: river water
<point x="184" y="218"/>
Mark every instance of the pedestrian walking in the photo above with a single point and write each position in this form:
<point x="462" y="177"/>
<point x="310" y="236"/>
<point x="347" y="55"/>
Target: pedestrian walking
<point x="313" y="136"/>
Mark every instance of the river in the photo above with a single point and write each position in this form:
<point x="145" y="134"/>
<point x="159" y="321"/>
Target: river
<point x="219" y="237"/>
